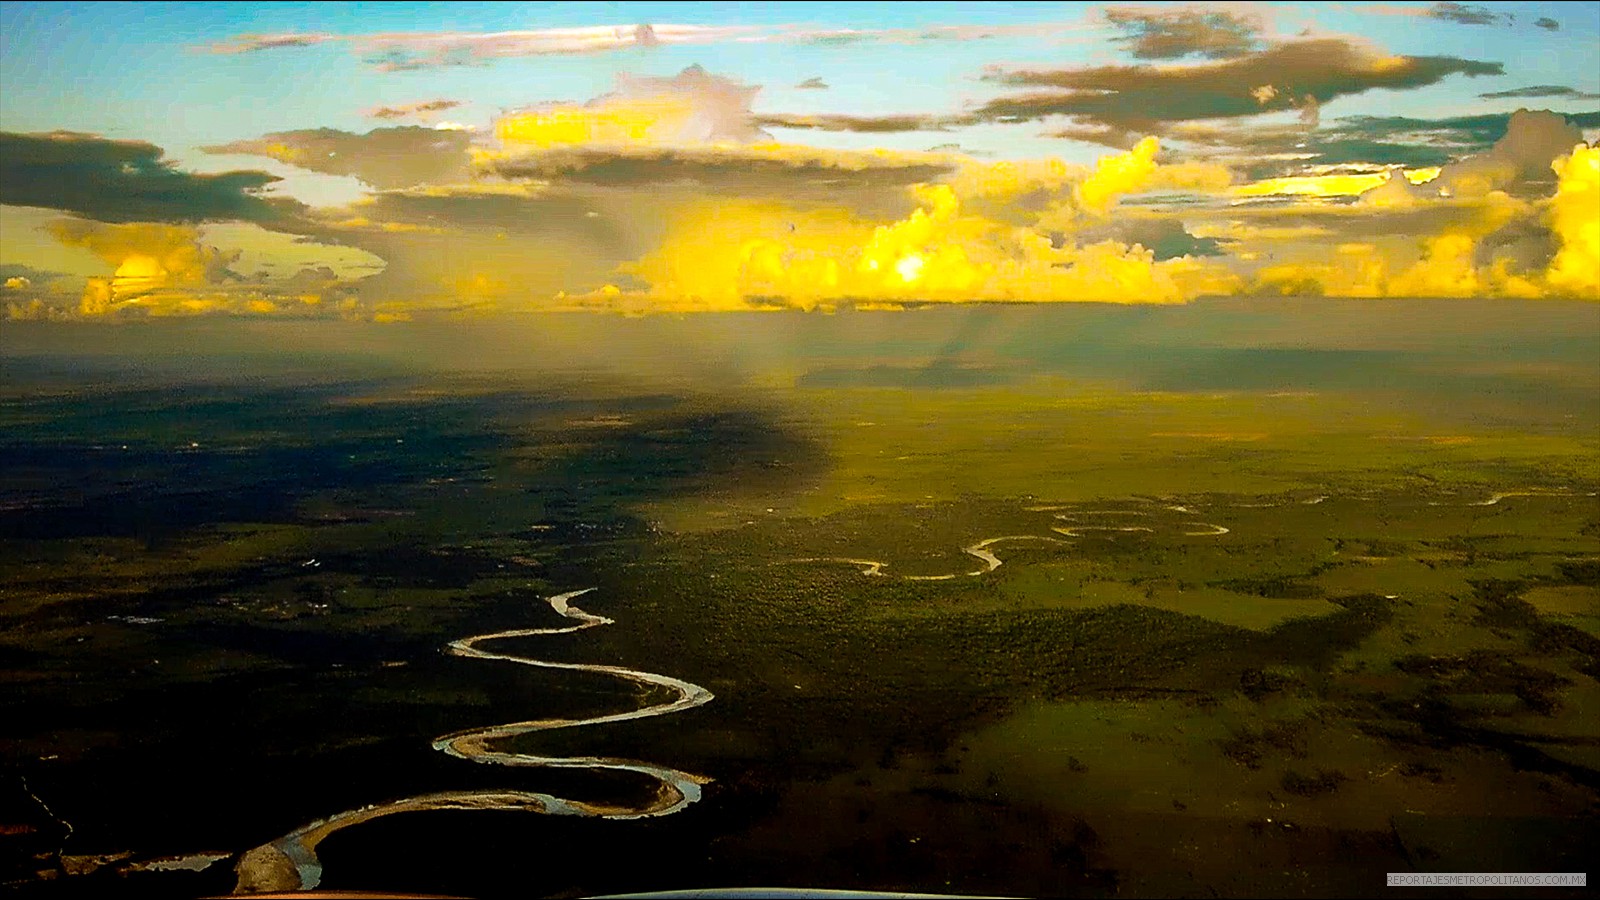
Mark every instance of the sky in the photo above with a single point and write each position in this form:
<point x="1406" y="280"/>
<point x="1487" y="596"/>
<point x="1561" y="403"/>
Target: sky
<point x="392" y="162"/>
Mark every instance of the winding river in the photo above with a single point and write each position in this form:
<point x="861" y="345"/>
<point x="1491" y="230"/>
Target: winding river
<point x="290" y="863"/>
<point x="981" y="551"/>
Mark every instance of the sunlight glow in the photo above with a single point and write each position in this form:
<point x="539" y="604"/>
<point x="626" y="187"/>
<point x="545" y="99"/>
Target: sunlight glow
<point x="909" y="268"/>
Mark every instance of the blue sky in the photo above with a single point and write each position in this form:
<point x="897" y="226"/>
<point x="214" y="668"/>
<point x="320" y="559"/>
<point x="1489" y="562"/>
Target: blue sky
<point x="133" y="70"/>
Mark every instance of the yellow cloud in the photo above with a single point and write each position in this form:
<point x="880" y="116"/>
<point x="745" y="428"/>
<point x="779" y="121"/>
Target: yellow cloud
<point x="1448" y="266"/>
<point x="646" y="120"/>
<point x="1444" y="264"/>
<point x="1446" y="269"/>
<point x="1120" y="174"/>
<point x="717" y="254"/>
<point x="1004" y="182"/>
<point x="1575" y="221"/>
<point x="968" y="237"/>
<point x="165" y="270"/>
<point x="34" y="310"/>
<point x="746" y="254"/>
<point x="149" y="258"/>
<point x="692" y="107"/>
<point x="97" y="297"/>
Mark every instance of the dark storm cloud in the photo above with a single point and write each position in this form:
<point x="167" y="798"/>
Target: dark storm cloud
<point x="719" y="170"/>
<point x="384" y="157"/>
<point x="37" y="276"/>
<point x="1469" y="133"/>
<point x="1165" y="238"/>
<point x="1547" y="23"/>
<point x="1463" y="14"/>
<point x="469" y="210"/>
<point x="1300" y="75"/>
<point x="1179" y="33"/>
<point x="1540" y="90"/>
<point x="1363" y="142"/>
<point x="125" y="181"/>
<point x="1170" y="240"/>
<point x="1115" y="138"/>
<point x="1338" y="142"/>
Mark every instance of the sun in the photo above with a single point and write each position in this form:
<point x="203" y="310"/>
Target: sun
<point x="909" y="267"/>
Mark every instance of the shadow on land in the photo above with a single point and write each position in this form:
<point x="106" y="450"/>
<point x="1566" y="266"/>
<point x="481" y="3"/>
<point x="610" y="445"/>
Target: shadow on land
<point x="216" y="706"/>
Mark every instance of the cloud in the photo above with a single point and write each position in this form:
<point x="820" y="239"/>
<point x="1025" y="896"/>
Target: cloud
<point x="408" y="51"/>
<point x="421" y="109"/>
<point x="692" y="131"/>
<point x="251" y="43"/>
<point x="158" y="270"/>
<point x="666" y="193"/>
<point x="862" y="124"/>
<point x="803" y="174"/>
<point x="1575" y="221"/>
<point x="1352" y="145"/>
<point x="35" y="309"/>
<point x="1115" y="138"/>
<point x="472" y="247"/>
<point x="1480" y="226"/>
<point x="1520" y="161"/>
<point x="1463" y="14"/>
<point x="1320" y="186"/>
<point x="1174" y="34"/>
<point x="125" y="181"/>
<point x="812" y="84"/>
<point x="384" y="157"/>
<point x="1089" y="198"/>
<point x="1164" y="238"/>
<point x="798" y="237"/>
<point x="1456" y="134"/>
<point x="692" y="106"/>
<point x="1370" y="249"/>
<point x="27" y="275"/>
<point x="1146" y="97"/>
<point x="740" y="254"/>
<point x="1460" y="14"/>
<point x="400" y="51"/>
<point x="1540" y="90"/>
<point x="1119" y="104"/>
<point x="152" y="261"/>
<point x="403" y="51"/>
<point x="1116" y="175"/>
